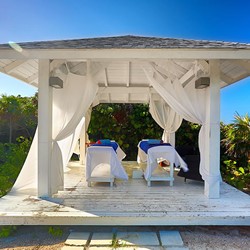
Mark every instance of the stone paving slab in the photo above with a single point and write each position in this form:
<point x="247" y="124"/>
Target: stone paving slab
<point x="127" y="248"/>
<point x="99" y="248"/>
<point x="77" y="239"/>
<point x="72" y="248"/>
<point x="176" y="248"/>
<point x="101" y="239"/>
<point x="138" y="238"/>
<point x="171" y="238"/>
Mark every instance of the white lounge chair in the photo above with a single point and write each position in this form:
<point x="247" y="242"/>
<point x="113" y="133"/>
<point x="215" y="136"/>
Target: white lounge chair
<point x="103" y="165"/>
<point x="156" y="173"/>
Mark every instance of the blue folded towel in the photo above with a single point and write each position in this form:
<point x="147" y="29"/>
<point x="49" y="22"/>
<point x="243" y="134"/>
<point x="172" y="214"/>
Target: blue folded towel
<point x="154" y="141"/>
<point x="112" y="144"/>
<point x="105" y="141"/>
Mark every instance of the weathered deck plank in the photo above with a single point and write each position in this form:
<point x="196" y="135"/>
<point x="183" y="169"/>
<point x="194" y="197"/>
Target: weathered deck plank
<point x="127" y="203"/>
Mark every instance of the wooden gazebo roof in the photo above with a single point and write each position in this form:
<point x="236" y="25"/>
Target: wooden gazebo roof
<point x="123" y="79"/>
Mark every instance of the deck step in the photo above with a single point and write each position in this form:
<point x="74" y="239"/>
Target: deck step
<point x="78" y="239"/>
<point x="168" y="240"/>
<point x="171" y="238"/>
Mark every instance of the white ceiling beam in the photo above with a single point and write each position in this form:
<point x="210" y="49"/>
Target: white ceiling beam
<point x="243" y="64"/>
<point x="163" y="72"/>
<point x="13" y="66"/>
<point x="150" y="54"/>
<point x="106" y="77"/>
<point x="32" y="78"/>
<point x="124" y="90"/>
<point x="185" y="79"/>
<point x="226" y="78"/>
<point x="177" y="66"/>
<point x="20" y="78"/>
<point x="204" y="66"/>
<point x="56" y="64"/>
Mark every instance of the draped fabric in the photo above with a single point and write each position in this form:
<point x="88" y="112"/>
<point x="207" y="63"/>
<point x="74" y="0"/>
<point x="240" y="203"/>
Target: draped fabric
<point x="97" y="156"/>
<point x="190" y="103"/>
<point x="83" y="134"/>
<point x="70" y="105"/>
<point x="165" y="117"/>
<point x="165" y="152"/>
<point x="27" y="179"/>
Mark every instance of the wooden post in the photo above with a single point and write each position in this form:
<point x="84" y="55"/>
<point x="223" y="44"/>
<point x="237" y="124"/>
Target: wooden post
<point x="212" y="133"/>
<point x="44" y="129"/>
<point x="172" y="139"/>
<point x="83" y="145"/>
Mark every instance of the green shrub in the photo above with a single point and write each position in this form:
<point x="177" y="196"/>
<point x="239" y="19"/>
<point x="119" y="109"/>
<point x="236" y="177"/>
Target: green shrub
<point x="6" y="231"/>
<point x="12" y="161"/>
<point x="235" y="152"/>
<point x="55" y="231"/>
<point x="127" y="124"/>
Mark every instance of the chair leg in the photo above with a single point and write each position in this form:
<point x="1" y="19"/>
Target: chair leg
<point x="111" y="184"/>
<point x="89" y="183"/>
<point x="149" y="183"/>
<point x="172" y="174"/>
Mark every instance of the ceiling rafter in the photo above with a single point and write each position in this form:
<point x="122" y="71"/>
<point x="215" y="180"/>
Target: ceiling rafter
<point x="32" y="78"/>
<point x="163" y="72"/>
<point x="204" y="66"/>
<point x="13" y="65"/>
<point x="185" y="79"/>
<point x="123" y="90"/>
<point x="198" y="67"/>
<point x="56" y="63"/>
<point x="245" y="64"/>
<point x="225" y="78"/>
<point x="106" y="77"/>
<point x="179" y="67"/>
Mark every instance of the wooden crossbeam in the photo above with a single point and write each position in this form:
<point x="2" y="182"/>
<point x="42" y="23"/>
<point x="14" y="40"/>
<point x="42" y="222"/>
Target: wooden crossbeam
<point x="106" y="77"/>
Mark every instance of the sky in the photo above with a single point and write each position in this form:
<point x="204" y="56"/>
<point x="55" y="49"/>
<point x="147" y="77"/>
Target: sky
<point x="39" y="20"/>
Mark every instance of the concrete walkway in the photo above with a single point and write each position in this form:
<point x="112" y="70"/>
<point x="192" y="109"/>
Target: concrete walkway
<point x="162" y="240"/>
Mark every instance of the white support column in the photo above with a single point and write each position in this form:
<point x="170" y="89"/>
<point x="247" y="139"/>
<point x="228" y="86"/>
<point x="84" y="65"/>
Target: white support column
<point x="172" y="139"/>
<point x="44" y="129"/>
<point x="212" y="133"/>
<point x="83" y="145"/>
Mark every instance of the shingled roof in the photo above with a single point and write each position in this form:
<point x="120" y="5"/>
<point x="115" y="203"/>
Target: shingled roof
<point x="129" y="42"/>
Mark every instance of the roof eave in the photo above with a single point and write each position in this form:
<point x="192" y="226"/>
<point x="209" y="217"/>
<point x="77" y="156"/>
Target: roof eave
<point x="122" y="53"/>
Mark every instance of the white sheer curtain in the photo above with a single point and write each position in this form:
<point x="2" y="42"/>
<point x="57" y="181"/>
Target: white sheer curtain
<point x="165" y="117"/>
<point x="70" y="105"/>
<point x="187" y="101"/>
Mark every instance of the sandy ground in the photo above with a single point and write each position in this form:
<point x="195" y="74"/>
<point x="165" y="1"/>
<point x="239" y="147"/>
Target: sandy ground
<point x="195" y="238"/>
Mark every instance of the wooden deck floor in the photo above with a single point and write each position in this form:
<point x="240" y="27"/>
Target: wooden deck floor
<point x="127" y="203"/>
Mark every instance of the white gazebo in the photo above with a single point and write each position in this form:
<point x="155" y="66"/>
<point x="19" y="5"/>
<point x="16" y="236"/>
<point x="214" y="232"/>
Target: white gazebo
<point x="183" y="77"/>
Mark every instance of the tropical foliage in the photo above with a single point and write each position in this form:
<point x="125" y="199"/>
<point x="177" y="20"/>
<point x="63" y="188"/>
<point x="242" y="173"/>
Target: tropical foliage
<point x="12" y="158"/>
<point x="18" y="117"/>
<point x="235" y="152"/>
<point x="125" y="123"/>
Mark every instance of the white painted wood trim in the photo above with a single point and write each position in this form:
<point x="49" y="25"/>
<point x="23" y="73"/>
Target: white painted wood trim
<point x="83" y="145"/>
<point x="172" y="139"/>
<point x="148" y="54"/>
<point x="44" y="129"/>
<point x="212" y="130"/>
